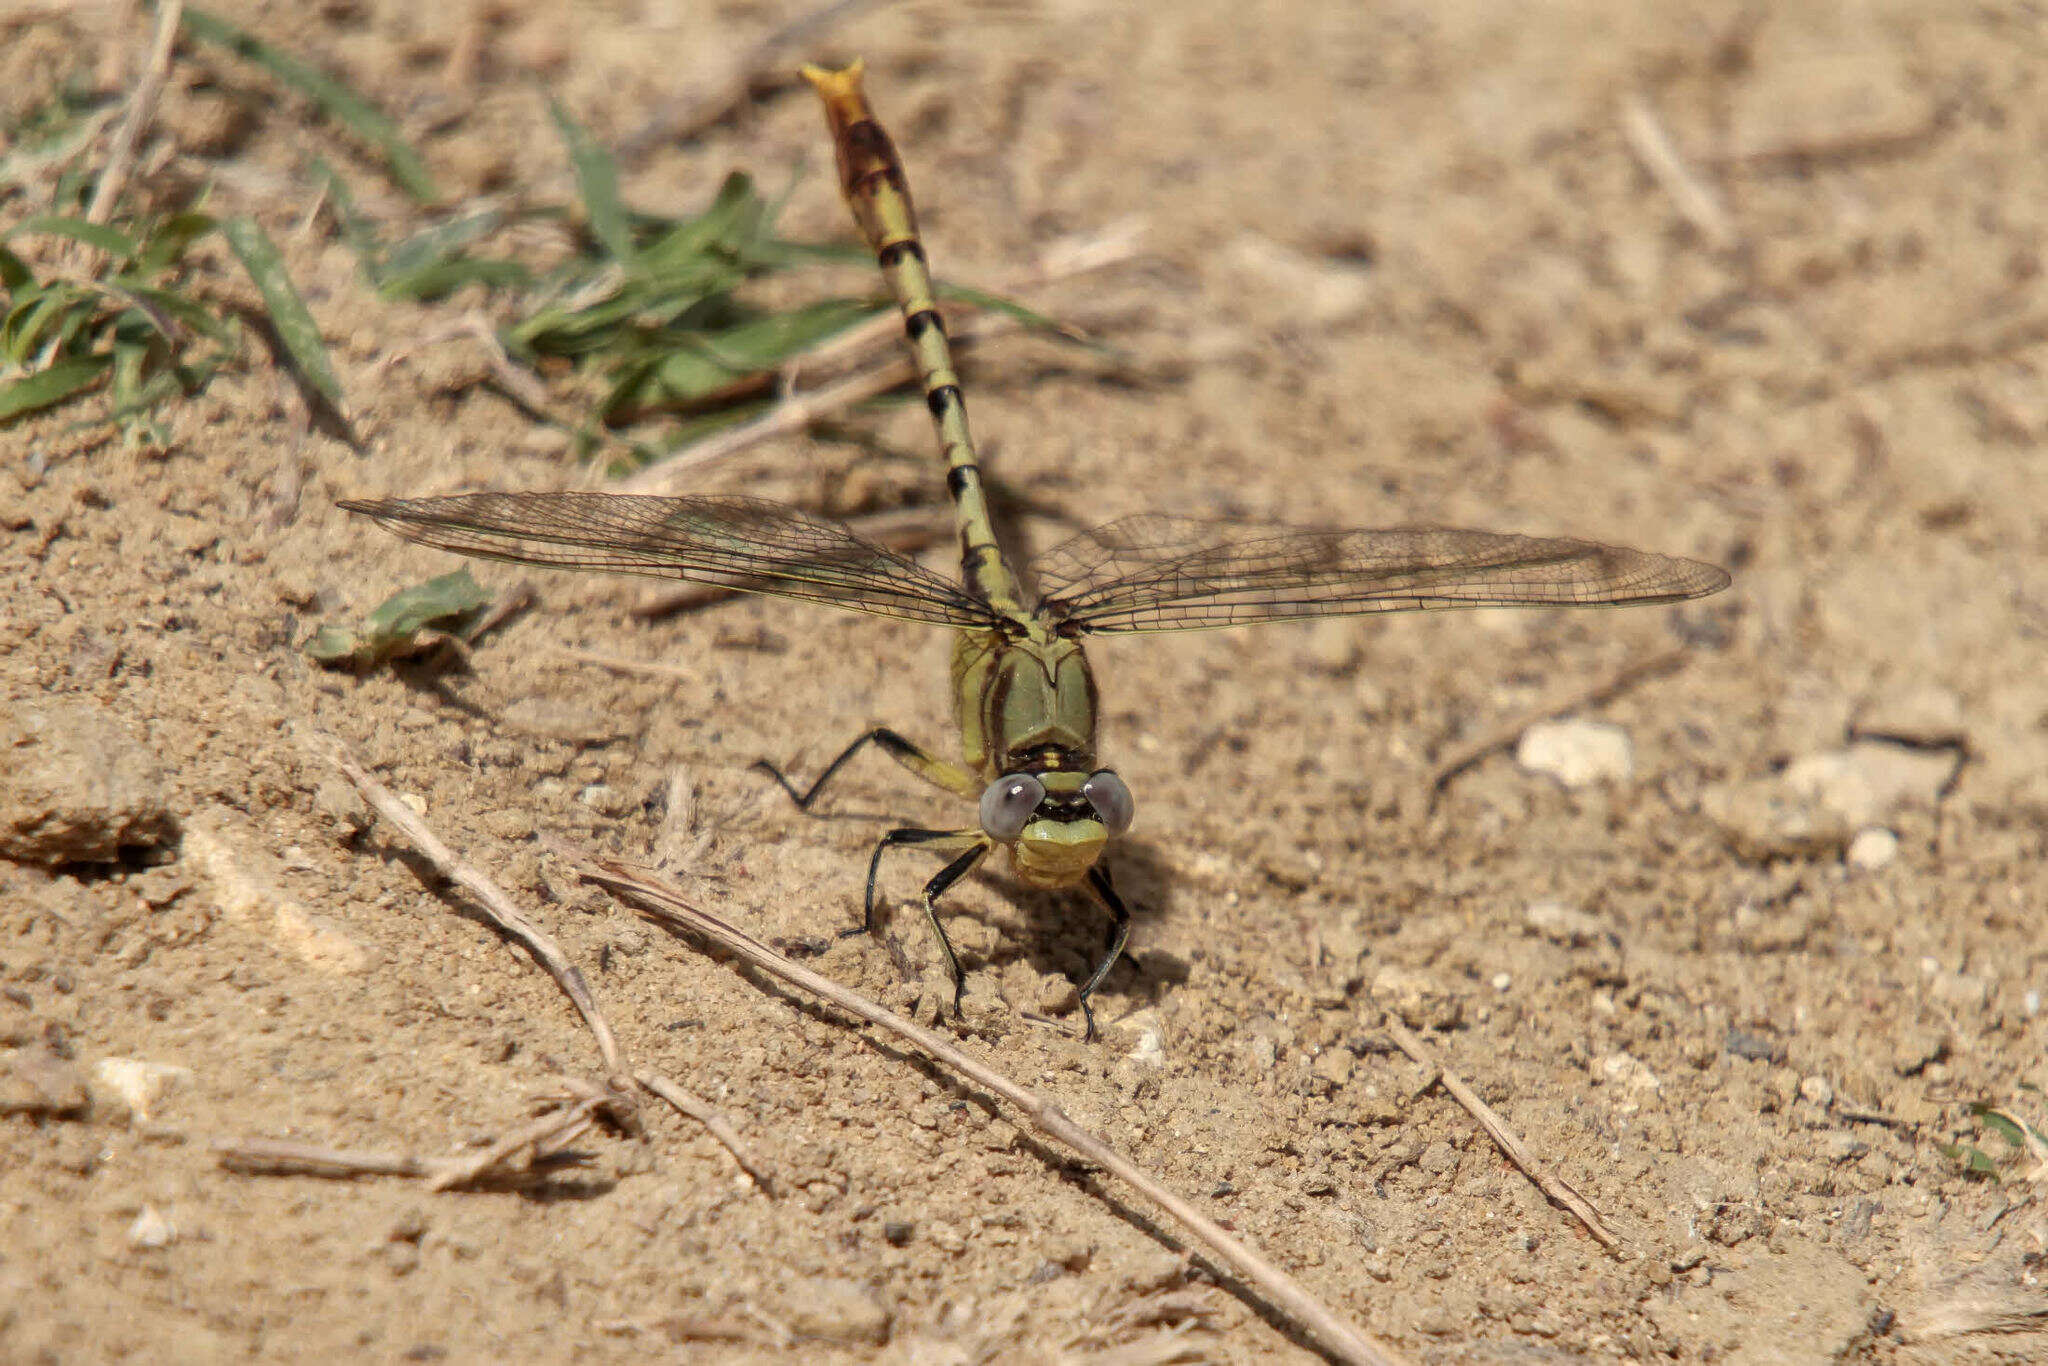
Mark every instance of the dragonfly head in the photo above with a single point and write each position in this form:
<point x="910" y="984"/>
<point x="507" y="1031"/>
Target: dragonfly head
<point x="1055" y="821"/>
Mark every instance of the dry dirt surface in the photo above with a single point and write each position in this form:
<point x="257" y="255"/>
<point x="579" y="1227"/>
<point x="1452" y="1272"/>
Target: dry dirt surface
<point x="1735" y="946"/>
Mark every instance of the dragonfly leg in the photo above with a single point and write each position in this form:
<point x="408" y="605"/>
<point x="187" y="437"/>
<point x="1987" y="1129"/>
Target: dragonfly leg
<point x="940" y="841"/>
<point x="908" y="753"/>
<point x="1119" y="934"/>
<point x="935" y="889"/>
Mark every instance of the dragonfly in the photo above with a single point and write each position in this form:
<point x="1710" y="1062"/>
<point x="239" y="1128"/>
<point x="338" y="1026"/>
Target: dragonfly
<point x="1024" y="697"/>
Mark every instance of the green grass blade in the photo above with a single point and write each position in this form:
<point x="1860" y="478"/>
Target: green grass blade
<point x="47" y="388"/>
<point x="724" y="223"/>
<point x="112" y="241"/>
<point x="167" y="242"/>
<point x="597" y="180"/>
<point x="335" y="99"/>
<point x="288" y="313"/>
<point x="356" y="228"/>
<point x="41" y="316"/>
<point x="443" y="278"/>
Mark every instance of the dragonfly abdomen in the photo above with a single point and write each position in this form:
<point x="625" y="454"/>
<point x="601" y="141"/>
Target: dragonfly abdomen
<point x="871" y="177"/>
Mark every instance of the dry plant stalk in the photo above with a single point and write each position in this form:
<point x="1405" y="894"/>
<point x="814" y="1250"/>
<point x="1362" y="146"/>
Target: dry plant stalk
<point x="141" y="109"/>
<point x="539" y="1142"/>
<point x="499" y="907"/>
<point x="615" y="1098"/>
<point x="661" y="903"/>
<point x="1505" y="1138"/>
<point x="1694" y="199"/>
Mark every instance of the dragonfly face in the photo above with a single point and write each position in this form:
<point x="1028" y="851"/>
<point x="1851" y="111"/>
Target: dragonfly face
<point x="1056" y="821"/>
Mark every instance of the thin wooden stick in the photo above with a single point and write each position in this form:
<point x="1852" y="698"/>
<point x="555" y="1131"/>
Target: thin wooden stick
<point x="714" y="1122"/>
<point x="1695" y="201"/>
<point x="1505" y="1138"/>
<point x="499" y="907"/>
<point x="141" y="109"/>
<point x="1570" y="699"/>
<point x="540" y="1139"/>
<point x="662" y="904"/>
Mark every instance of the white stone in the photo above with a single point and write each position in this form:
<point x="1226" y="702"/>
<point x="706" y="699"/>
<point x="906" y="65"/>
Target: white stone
<point x="1870" y="779"/>
<point x="1619" y="1069"/>
<point x="1577" y="753"/>
<point x="1561" y="923"/>
<point x="136" y="1083"/>
<point x="1872" y="849"/>
<point x="151" y="1230"/>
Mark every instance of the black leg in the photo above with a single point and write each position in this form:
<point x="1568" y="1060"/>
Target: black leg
<point x="935" y="889"/>
<point x="912" y="756"/>
<point x="1119" y="934"/>
<point x="910" y="835"/>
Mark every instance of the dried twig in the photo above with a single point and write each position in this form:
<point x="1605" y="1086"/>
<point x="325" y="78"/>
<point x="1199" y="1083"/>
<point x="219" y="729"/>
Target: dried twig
<point x="141" y="109"/>
<point x="1569" y="699"/>
<point x="714" y="1122"/>
<point x="1694" y="199"/>
<point x="662" y="904"/>
<point x="540" y="1141"/>
<point x="1505" y="1138"/>
<point x="498" y="906"/>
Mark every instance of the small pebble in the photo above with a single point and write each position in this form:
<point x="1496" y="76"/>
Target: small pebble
<point x="1056" y="995"/>
<point x="1577" y="753"/>
<point x="1334" y="1065"/>
<point x="1561" y="923"/>
<point x="136" y="1083"/>
<point x="151" y="1230"/>
<point x="1872" y="849"/>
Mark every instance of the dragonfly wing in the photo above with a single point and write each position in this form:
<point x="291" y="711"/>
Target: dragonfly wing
<point x="1159" y="573"/>
<point x="739" y="543"/>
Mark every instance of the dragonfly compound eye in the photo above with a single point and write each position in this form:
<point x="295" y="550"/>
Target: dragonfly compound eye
<point x="1111" y="799"/>
<point x="1007" y="805"/>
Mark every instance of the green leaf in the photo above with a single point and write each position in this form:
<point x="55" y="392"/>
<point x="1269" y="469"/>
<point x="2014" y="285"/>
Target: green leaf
<point x="597" y="180"/>
<point x="45" y="318"/>
<point x="48" y="388"/>
<point x="288" y="313"/>
<point x="728" y="220"/>
<point x="333" y="97"/>
<point x="389" y="630"/>
<point x="112" y="241"/>
<point x="356" y="228"/>
<point x="1999" y="1124"/>
<point x="168" y="241"/>
<point x="432" y="282"/>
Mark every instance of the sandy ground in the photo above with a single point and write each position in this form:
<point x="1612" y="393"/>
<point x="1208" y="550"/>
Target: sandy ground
<point x="1405" y="263"/>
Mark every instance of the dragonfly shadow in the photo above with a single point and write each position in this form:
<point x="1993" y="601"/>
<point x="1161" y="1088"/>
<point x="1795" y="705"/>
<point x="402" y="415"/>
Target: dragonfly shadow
<point x="1066" y="931"/>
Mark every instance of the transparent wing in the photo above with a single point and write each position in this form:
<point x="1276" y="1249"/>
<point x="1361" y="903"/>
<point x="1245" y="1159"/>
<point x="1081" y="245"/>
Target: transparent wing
<point x="1158" y="573"/>
<point x="740" y="543"/>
